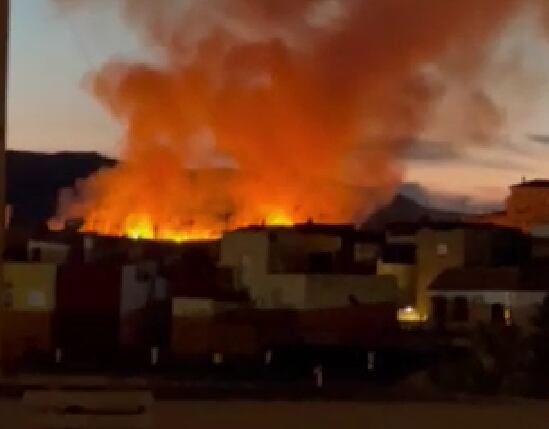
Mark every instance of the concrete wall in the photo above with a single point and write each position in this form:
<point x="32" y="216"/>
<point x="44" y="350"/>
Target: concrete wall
<point x="282" y="291"/>
<point x="247" y="253"/>
<point x="30" y="286"/>
<point x="320" y="291"/>
<point x="135" y="292"/>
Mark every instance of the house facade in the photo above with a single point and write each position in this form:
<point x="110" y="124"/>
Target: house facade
<point x="464" y="297"/>
<point x="304" y="269"/>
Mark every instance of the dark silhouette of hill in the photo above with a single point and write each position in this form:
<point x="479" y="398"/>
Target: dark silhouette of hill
<point x="34" y="180"/>
<point x="406" y="209"/>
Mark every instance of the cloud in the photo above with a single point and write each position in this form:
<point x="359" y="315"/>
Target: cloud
<point x="539" y="138"/>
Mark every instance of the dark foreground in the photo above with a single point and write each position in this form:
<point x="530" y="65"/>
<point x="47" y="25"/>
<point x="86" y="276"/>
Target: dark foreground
<point x="499" y="414"/>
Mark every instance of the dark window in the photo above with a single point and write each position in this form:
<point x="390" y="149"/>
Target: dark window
<point x="460" y="309"/>
<point x="142" y="275"/>
<point x="439" y="305"/>
<point x="321" y="262"/>
<point x="353" y="301"/>
<point x="498" y="314"/>
<point x="36" y="254"/>
<point x="8" y="295"/>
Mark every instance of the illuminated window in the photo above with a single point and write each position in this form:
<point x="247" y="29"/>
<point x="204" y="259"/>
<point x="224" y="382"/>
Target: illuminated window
<point x="442" y="249"/>
<point x="508" y="316"/>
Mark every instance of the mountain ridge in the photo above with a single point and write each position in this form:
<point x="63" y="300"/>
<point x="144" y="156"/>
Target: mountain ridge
<point x="35" y="178"/>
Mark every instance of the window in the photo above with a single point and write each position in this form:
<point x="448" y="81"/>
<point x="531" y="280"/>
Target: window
<point x="321" y="262"/>
<point x="442" y="249"/>
<point x="8" y="298"/>
<point x="36" y="299"/>
<point x="439" y="306"/>
<point x="498" y="314"/>
<point x="353" y="301"/>
<point x="141" y="275"/>
<point x="508" y="316"/>
<point x="460" y="309"/>
<point x="365" y="252"/>
<point x="36" y="254"/>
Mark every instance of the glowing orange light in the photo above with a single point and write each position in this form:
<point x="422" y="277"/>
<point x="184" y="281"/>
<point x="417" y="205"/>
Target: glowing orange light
<point x="278" y="218"/>
<point x="142" y="228"/>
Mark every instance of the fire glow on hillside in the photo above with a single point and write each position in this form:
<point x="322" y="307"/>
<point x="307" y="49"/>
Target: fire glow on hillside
<point x="308" y="102"/>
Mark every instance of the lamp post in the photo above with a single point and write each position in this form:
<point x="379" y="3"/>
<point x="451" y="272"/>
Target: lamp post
<point x="4" y="65"/>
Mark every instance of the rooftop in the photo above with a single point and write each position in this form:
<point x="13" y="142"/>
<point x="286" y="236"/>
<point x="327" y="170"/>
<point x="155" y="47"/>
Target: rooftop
<point x="404" y="229"/>
<point x="319" y="228"/>
<point x="515" y="279"/>
<point x="536" y="183"/>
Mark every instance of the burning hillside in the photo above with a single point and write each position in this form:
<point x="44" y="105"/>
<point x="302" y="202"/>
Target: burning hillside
<point x="305" y="102"/>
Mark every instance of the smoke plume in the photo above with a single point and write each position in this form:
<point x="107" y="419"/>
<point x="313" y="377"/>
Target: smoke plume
<point x="307" y="105"/>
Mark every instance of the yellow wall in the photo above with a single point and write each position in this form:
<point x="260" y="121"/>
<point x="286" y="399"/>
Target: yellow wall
<point x="200" y="307"/>
<point x="31" y="285"/>
<point x="405" y="275"/>
<point x="431" y="262"/>
<point x="334" y="291"/>
<point x="290" y="250"/>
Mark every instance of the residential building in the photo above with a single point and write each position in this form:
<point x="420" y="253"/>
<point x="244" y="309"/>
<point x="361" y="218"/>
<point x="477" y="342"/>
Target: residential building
<point x="528" y="204"/>
<point x="444" y="246"/>
<point x="526" y="207"/>
<point x="107" y="308"/>
<point x="29" y="301"/>
<point x="306" y="267"/>
<point x="464" y="297"/>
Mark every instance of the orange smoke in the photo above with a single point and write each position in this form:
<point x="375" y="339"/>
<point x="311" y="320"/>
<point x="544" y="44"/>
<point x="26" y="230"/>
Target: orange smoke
<point x="275" y="111"/>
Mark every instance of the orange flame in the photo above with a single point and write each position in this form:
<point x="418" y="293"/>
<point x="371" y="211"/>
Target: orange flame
<point x="298" y="96"/>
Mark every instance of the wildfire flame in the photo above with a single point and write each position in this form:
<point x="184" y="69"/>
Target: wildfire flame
<point x="142" y="227"/>
<point x="312" y="102"/>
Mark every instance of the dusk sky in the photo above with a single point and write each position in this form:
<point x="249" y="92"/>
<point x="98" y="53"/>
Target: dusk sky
<point x="50" y="109"/>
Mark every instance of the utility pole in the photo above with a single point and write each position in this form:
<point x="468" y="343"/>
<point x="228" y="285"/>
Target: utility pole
<point x="4" y="66"/>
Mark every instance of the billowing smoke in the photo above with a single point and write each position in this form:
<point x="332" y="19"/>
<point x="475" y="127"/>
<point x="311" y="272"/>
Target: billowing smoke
<point x="307" y="105"/>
